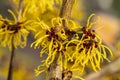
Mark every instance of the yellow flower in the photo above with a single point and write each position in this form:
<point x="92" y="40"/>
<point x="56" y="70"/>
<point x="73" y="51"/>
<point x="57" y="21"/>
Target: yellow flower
<point x="89" y="49"/>
<point x="11" y="30"/>
<point x="53" y="41"/>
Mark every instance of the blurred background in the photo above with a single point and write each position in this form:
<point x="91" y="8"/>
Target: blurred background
<point x="27" y="59"/>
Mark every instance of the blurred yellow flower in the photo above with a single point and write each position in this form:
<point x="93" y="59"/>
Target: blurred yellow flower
<point x="89" y="49"/>
<point x="11" y="30"/>
<point x="37" y="8"/>
<point x="48" y="9"/>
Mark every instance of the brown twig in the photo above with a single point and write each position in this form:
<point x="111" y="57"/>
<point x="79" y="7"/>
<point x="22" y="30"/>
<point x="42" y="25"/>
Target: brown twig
<point x="11" y="63"/>
<point x="54" y="70"/>
<point x="20" y="10"/>
<point x="66" y="8"/>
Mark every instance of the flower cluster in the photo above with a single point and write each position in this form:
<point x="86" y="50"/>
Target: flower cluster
<point x="75" y="46"/>
<point x="72" y="46"/>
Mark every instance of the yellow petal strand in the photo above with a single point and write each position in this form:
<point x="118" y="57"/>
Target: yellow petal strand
<point x="104" y="53"/>
<point x="39" y="72"/>
<point x="92" y="23"/>
<point x="37" y="42"/>
<point x="108" y="50"/>
<point x="89" y="18"/>
<point x="11" y="12"/>
<point x="50" y="47"/>
<point x="52" y="58"/>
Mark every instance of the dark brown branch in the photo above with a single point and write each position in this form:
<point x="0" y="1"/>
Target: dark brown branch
<point x="11" y="63"/>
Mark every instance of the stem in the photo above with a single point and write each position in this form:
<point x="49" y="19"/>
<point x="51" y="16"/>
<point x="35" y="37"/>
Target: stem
<point x="19" y="10"/>
<point x="10" y="72"/>
<point x="11" y="63"/>
<point x="66" y="8"/>
<point x="54" y="70"/>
